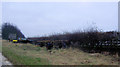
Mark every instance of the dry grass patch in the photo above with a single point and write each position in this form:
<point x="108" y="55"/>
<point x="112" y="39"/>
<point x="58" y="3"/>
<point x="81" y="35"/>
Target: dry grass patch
<point x="62" y="56"/>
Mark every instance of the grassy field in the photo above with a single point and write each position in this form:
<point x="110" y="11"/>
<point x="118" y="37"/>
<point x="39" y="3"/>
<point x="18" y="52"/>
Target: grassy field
<point x="28" y="54"/>
<point x="18" y="54"/>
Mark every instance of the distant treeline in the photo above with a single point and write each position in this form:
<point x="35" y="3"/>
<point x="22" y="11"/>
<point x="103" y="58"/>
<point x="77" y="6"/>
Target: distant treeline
<point x="8" y="28"/>
<point x="91" y="36"/>
<point x="88" y="40"/>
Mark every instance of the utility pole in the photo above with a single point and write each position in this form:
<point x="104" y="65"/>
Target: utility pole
<point x="118" y="16"/>
<point x="119" y="20"/>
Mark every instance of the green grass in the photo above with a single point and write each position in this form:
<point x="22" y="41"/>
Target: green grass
<point x="22" y="59"/>
<point x="28" y="54"/>
<point x="18" y="56"/>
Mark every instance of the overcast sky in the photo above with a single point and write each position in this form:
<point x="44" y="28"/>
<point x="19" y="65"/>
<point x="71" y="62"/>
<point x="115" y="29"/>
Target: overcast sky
<point x="45" y="18"/>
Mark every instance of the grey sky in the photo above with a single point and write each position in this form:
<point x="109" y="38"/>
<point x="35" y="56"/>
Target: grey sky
<point x="44" y="18"/>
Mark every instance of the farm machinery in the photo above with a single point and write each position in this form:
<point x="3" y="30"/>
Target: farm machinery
<point x="13" y="38"/>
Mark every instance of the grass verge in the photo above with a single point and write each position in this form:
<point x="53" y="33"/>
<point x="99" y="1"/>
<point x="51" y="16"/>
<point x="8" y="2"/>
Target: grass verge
<point x="28" y="54"/>
<point x="17" y="58"/>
